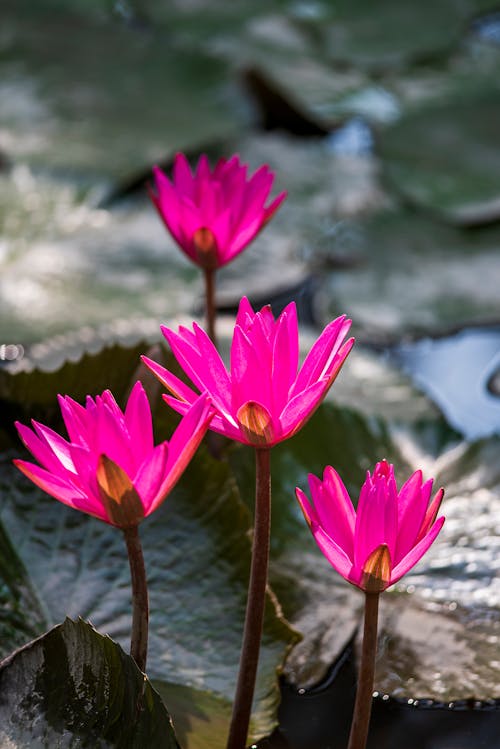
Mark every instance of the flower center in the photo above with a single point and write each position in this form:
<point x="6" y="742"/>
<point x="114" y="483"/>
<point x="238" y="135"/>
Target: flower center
<point x="121" y="501"/>
<point x="206" y="247"/>
<point x="377" y="570"/>
<point x="256" y="423"/>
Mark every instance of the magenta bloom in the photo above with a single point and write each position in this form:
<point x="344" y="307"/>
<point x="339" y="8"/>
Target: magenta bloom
<point x="264" y="398"/>
<point x="110" y="468"/>
<point x="214" y="215"/>
<point x="375" y="546"/>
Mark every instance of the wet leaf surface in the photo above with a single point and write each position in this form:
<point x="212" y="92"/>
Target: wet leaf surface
<point x="445" y="158"/>
<point x="197" y="558"/>
<point x="73" y="687"/>
<point x="168" y="95"/>
<point x="413" y="275"/>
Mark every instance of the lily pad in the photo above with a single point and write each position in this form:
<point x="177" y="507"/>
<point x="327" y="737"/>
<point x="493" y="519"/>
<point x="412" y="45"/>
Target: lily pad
<point x="445" y="158"/>
<point x="76" y="688"/>
<point x="413" y="275"/>
<point x="397" y="35"/>
<point x="136" y="98"/>
<point x="197" y="557"/>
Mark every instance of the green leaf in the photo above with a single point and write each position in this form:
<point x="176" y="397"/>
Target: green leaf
<point x="76" y="688"/>
<point x="397" y="35"/>
<point x="137" y="98"/>
<point x="445" y="158"/>
<point x="33" y="394"/>
<point x="414" y="276"/>
<point x="197" y="553"/>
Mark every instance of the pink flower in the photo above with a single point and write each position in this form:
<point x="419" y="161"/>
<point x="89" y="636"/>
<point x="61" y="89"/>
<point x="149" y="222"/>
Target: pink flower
<point x="264" y="398"/>
<point x="214" y="215"/>
<point x="110" y="467"/>
<point x="375" y="546"/>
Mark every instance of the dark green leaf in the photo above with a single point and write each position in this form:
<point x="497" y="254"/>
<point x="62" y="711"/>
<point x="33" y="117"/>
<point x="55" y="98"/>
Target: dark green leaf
<point x="197" y="555"/>
<point x="72" y="687"/>
<point x="445" y="157"/>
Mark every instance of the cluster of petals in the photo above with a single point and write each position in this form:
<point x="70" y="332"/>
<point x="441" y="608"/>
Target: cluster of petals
<point x="213" y="215"/>
<point x="390" y="532"/>
<point x="110" y="467"/>
<point x="265" y="397"/>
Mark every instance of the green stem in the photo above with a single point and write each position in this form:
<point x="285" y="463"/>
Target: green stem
<point x="140" y="605"/>
<point x="210" y="303"/>
<point x="254" y="616"/>
<point x="364" y="694"/>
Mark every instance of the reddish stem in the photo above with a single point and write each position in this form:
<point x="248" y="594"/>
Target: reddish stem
<point x="140" y="605"/>
<point x="364" y="694"/>
<point x="254" y="616"/>
<point x="210" y="303"/>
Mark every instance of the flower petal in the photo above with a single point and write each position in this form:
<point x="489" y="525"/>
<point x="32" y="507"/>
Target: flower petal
<point x="417" y="552"/>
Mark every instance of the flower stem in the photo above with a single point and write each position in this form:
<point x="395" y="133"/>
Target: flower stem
<point x="140" y="605"/>
<point x="210" y="303"/>
<point x="364" y="694"/>
<point x="254" y="616"/>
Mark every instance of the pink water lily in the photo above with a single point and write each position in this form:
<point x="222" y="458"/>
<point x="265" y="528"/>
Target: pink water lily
<point x="391" y="530"/>
<point x="264" y="398"/>
<point x="110" y="467"/>
<point x="213" y="215"/>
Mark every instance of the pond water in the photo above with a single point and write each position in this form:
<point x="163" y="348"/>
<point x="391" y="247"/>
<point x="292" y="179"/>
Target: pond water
<point x="388" y="146"/>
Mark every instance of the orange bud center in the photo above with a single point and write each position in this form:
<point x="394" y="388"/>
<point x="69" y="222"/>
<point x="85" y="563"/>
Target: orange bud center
<point x="121" y="501"/>
<point x="377" y="570"/>
<point x="206" y="247"/>
<point x="255" y="423"/>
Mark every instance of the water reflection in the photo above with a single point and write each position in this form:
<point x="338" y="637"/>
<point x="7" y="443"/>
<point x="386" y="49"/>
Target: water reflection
<point x="458" y="373"/>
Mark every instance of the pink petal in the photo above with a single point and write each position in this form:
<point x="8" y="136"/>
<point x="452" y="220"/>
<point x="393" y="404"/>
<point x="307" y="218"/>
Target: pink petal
<point x="76" y="419"/>
<point x="139" y="422"/>
<point x="192" y="428"/>
<point x="273" y="207"/>
<point x="250" y="372"/>
<point x="58" y="488"/>
<point x="318" y="363"/>
<point x="207" y="371"/>
<point x="285" y="356"/>
<point x="332" y="551"/>
<point x="335" y="509"/>
<point x="114" y="441"/>
<point x="170" y="381"/>
<point x="245" y="314"/>
<point x="411" y="559"/>
<point x="412" y="506"/>
<point x="59" y="447"/>
<point x="183" y="179"/>
<point x="431" y="513"/>
<point x="183" y="445"/>
<point x="308" y="509"/>
<point x="301" y="407"/>
<point x="376" y="521"/>
<point x="40" y="450"/>
<point x="150" y="477"/>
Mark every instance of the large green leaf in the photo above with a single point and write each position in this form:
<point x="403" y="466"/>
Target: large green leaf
<point x="445" y="157"/>
<point x="414" y="275"/>
<point x="391" y="36"/>
<point x="26" y="394"/>
<point x="197" y="554"/>
<point x="136" y="98"/>
<point x="73" y="687"/>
